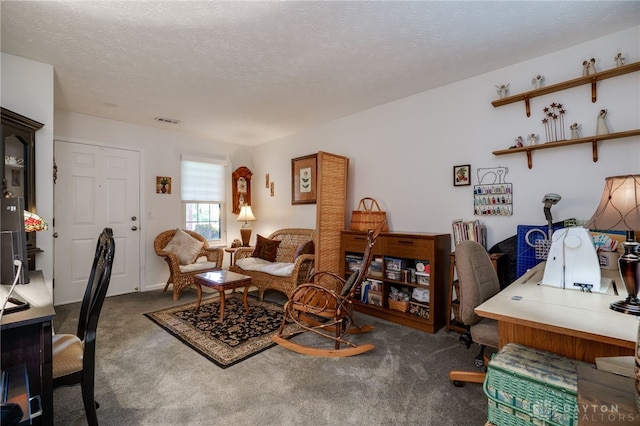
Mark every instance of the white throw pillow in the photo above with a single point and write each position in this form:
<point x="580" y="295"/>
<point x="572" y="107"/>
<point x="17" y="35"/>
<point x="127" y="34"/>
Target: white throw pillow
<point x="184" y="246"/>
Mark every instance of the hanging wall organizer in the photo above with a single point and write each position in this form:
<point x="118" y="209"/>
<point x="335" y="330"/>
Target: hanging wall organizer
<point x="492" y="196"/>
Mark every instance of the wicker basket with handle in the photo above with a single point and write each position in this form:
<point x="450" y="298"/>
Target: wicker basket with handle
<point x="368" y="216"/>
<point x="399" y="305"/>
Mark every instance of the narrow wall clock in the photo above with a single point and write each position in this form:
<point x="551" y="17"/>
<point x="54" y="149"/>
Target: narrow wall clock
<point x="241" y="178"/>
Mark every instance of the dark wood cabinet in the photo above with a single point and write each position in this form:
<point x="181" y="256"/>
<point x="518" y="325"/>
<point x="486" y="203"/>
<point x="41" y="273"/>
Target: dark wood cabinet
<point x="18" y="168"/>
<point x="403" y="253"/>
<point x="26" y="339"/>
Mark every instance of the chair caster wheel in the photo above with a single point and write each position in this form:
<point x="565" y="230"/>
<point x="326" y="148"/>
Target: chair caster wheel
<point x="458" y="383"/>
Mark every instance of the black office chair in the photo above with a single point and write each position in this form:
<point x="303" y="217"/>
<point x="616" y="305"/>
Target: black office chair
<point x="478" y="282"/>
<point x="74" y="355"/>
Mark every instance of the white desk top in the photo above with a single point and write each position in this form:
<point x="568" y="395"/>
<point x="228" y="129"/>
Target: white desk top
<point x="38" y="296"/>
<point x="527" y="302"/>
<point x="35" y="292"/>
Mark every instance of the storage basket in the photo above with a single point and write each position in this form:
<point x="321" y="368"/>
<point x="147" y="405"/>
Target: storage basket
<point x="375" y="299"/>
<point x="527" y="386"/>
<point x="368" y="216"/>
<point x="375" y="268"/>
<point x="394" y="264"/>
<point x="398" y="305"/>
<point x="422" y="278"/>
<point x="419" y="309"/>
<point x="394" y="275"/>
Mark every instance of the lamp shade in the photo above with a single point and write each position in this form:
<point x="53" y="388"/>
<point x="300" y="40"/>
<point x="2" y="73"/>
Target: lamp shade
<point x="619" y="208"/>
<point x="246" y="214"/>
<point x="33" y="222"/>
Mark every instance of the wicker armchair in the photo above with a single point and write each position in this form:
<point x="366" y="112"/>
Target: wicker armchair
<point x="291" y="239"/>
<point x="181" y="276"/>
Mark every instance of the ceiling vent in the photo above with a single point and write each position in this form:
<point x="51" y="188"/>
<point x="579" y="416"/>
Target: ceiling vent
<point x="167" y="120"/>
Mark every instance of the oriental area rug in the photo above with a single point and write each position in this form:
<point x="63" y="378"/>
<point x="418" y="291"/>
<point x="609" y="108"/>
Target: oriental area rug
<point x="237" y="338"/>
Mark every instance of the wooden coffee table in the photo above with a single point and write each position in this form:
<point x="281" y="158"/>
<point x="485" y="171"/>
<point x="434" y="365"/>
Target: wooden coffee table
<point x="222" y="280"/>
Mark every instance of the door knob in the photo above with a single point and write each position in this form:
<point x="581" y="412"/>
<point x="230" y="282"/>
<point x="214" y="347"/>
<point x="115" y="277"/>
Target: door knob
<point x="134" y="218"/>
<point x="134" y="228"/>
<point x="55" y="235"/>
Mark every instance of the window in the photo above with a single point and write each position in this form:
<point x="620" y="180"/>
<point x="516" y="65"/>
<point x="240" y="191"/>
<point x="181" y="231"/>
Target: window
<point x="203" y="197"/>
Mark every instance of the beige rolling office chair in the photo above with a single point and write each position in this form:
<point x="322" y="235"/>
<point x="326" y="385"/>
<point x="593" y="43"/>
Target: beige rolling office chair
<point x="478" y="282"/>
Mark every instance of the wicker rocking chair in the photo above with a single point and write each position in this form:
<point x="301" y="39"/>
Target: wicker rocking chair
<point x="327" y="312"/>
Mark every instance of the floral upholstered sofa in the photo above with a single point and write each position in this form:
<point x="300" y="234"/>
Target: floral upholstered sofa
<point x="280" y="262"/>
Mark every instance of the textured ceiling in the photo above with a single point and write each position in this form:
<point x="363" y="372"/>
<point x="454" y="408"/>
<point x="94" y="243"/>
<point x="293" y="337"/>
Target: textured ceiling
<point x="250" y="72"/>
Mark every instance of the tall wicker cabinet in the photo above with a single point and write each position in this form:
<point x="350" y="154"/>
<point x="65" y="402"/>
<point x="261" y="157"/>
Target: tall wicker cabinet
<point x="331" y="205"/>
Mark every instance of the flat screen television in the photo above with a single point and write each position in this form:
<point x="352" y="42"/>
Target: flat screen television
<point x="14" y="240"/>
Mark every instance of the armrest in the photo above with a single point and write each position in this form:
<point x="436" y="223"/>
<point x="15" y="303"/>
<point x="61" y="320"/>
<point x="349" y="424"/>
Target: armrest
<point x="328" y="274"/>
<point x="338" y="281"/>
<point x="242" y="253"/>
<point x="171" y="258"/>
<point x="214" y="254"/>
<point x="303" y="264"/>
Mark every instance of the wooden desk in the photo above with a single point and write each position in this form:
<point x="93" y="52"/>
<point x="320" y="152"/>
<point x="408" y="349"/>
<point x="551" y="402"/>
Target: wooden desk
<point x="26" y="339"/>
<point x="567" y="322"/>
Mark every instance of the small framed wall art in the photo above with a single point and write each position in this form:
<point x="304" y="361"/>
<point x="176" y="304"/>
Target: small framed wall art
<point x="462" y="175"/>
<point x="303" y="179"/>
<point x="163" y="185"/>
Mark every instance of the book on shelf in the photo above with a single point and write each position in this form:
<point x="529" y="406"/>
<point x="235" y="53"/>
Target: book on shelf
<point x="469" y="230"/>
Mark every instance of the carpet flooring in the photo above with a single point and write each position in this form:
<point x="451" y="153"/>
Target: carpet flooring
<point x="225" y="343"/>
<point x="145" y="376"/>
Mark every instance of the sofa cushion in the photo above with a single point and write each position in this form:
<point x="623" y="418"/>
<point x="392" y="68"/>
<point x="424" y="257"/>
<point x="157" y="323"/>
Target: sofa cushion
<point x="279" y="269"/>
<point x="266" y="249"/>
<point x="305" y="248"/>
<point x="184" y="246"/>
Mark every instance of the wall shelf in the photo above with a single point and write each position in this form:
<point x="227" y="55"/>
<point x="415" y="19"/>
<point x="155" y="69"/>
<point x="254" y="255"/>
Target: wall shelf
<point x="591" y="139"/>
<point x="589" y="79"/>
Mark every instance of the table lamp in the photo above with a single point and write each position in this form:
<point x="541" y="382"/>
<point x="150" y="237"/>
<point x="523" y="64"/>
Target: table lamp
<point x="33" y="222"/>
<point x="245" y="215"/>
<point x="619" y="210"/>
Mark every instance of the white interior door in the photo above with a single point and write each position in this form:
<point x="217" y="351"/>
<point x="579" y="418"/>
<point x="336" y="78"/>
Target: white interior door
<point x="96" y="187"/>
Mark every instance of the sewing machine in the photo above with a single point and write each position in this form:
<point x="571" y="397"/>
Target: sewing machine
<point x="572" y="262"/>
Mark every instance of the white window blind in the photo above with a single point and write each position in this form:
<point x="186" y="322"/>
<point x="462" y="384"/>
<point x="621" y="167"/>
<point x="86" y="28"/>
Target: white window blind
<point x="203" y="179"/>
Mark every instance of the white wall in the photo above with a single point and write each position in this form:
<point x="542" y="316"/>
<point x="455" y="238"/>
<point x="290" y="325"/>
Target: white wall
<point x="160" y="153"/>
<point x="26" y="87"/>
<point x="403" y="153"/>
